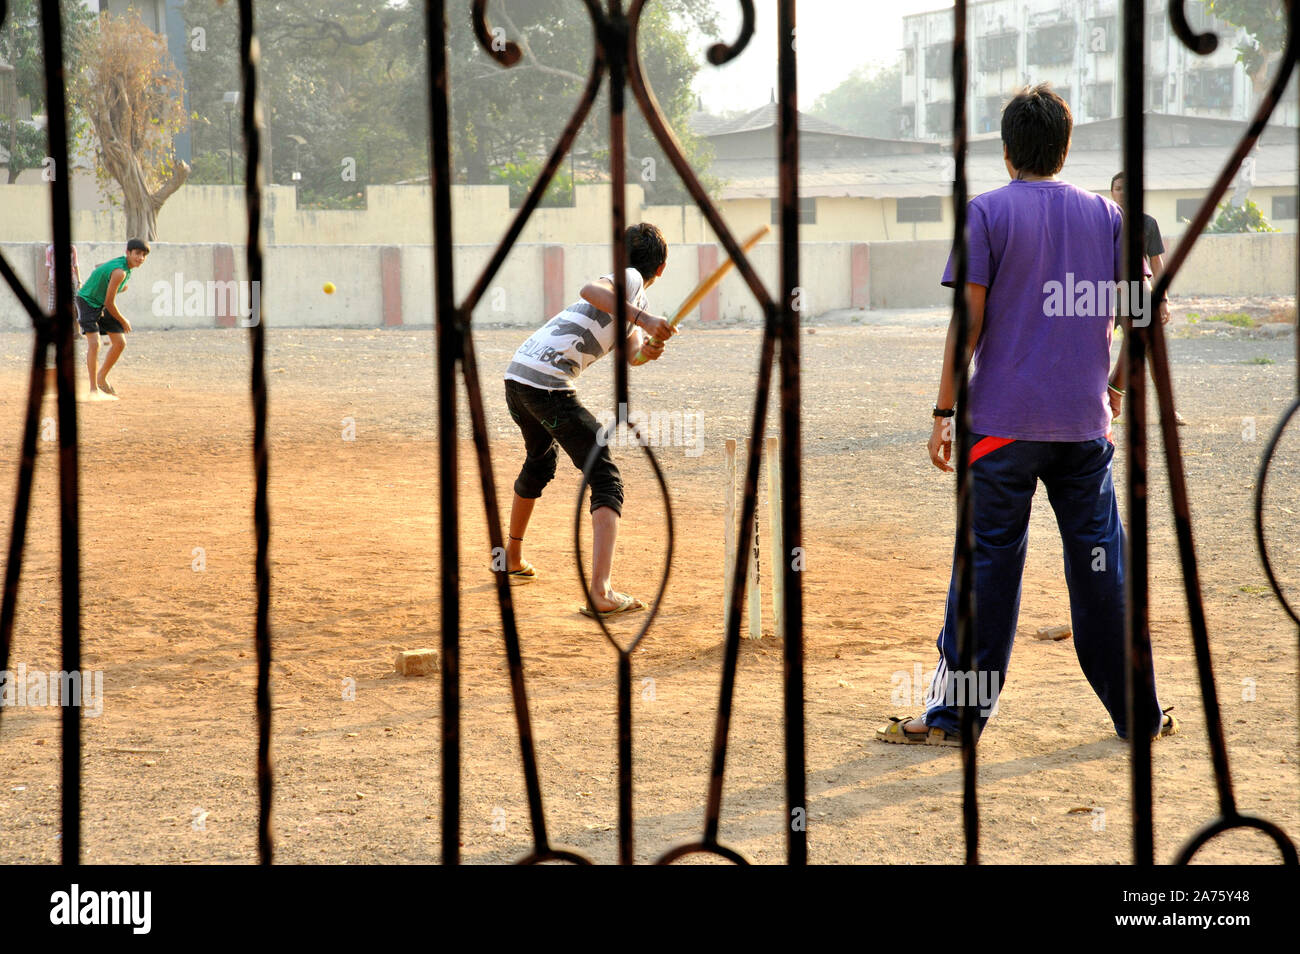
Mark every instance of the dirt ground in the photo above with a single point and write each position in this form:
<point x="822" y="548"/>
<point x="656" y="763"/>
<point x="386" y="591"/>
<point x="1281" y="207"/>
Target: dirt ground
<point x="169" y="764"/>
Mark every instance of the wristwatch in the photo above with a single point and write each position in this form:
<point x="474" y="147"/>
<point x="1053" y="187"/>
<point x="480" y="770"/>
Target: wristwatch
<point x="948" y="413"/>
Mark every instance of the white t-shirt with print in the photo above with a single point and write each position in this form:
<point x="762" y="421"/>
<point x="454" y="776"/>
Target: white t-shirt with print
<point x="556" y="353"/>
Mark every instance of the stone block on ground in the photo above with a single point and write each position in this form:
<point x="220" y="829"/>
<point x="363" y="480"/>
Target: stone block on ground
<point x="417" y="662"/>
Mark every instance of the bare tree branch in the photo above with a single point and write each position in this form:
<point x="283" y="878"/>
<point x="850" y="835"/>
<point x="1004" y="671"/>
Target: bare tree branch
<point x="522" y="41"/>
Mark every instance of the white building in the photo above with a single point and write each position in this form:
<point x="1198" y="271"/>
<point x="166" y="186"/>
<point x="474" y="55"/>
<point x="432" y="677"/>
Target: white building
<point x="1075" y="45"/>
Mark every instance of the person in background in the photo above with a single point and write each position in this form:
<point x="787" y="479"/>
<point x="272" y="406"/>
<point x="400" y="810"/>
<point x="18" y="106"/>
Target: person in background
<point x="49" y="284"/>
<point x="1153" y="249"/>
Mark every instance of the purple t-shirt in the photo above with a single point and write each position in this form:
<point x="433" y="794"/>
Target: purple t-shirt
<point x="1050" y="255"/>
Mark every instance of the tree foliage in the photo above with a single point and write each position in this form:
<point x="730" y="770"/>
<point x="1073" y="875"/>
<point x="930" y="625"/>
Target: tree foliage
<point x="520" y="176"/>
<point x="21" y="46"/>
<point x="498" y="114"/>
<point x="352" y="81"/>
<point x="866" y="102"/>
<point x="1247" y="217"/>
<point x="1265" y="24"/>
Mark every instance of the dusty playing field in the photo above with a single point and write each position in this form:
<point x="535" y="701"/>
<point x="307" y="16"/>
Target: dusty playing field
<point x="169" y="765"/>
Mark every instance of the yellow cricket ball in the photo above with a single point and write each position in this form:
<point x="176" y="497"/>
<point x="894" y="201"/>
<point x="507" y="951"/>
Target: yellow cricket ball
<point x="329" y="288"/>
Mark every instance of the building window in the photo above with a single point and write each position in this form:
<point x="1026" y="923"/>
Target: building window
<point x="1099" y="100"/>
<point x="909" y="62"/>
<point x="938" y="60"/>
<point x="925" y="209"/>
<point x="1209" y="89"/>
<point x="1156" y="28"/>
<point x="990" y="114"/>
<point x="998" y="52"/>
<point x="1284" y="207"/>
<point x="938" y="118"/>
<point x="1156" y="95"/>
<point x="1101" y="35"/>
<point x="1185" y="209"/>
<point x="807" y="211"/>
<point x="1051" y="44"/>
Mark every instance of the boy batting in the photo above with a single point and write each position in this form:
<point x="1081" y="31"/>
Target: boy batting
<point x="541" y="397"/>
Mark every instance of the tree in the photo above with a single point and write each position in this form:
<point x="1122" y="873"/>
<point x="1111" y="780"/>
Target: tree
<point x="131" y="91"/>
<point x="1265" y="24"/>
<point x="21" y="47"/>
<point x="866" y="102"/>
<point x="1259" y="52"/>
<point x="498" y="114"/>
<point x="335" y="74"/>
<point x="351" y="80"/>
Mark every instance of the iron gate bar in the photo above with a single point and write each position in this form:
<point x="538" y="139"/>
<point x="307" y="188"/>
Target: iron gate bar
<point x="1137" y="633"/>
<point x="964" y="551"/>
<point x="616" y="51"/>
<point x="1162" y="378"/>
<point x="41" y="322"/>
<point x="43" y="325"/>
<point x="796" y="758"/>
<point x="719" y="54"/>
<point x="612" y="33"/>
<point x="1260" y="479"/>
<point x="448" y="343"/>
<point x="616" y="33"/>
<point x="542" y="850"/>
<point x="793" y="655"/>
<point x="22" y="498"/>
<point x="53" y="331"/>
<point x="249" y="58"/>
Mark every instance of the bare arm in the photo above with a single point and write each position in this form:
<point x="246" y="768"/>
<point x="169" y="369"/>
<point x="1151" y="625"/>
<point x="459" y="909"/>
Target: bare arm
<point x="941" y="438"/>
<point x="1157" y="269"/>
<point x="600" y="294"/>
<point x="1116" y="383"/>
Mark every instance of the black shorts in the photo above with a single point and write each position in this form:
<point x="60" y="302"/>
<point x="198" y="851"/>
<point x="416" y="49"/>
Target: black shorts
<point x="94" y="319"/>
<point x="550" y="420"/>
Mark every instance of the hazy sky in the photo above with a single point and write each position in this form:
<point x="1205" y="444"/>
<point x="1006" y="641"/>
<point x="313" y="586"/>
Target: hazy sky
<point x="835" y="37"/>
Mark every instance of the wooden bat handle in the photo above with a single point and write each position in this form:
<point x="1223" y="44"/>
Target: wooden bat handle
<point x="707" y="285"/>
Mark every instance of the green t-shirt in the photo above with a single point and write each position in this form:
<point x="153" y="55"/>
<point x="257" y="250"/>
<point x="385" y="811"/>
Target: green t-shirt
<point x="94" y="288"/>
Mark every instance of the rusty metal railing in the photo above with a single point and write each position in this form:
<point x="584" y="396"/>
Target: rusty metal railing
<point x="1139" y="341"/>
<point x="615" y="59"/>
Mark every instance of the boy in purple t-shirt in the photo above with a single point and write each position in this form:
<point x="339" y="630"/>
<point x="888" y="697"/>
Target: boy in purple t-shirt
<point x="1045" y="259"/>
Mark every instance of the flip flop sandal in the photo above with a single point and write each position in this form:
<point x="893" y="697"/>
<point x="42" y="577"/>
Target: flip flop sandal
<point x="897" y="734"/>
<point x="933" y="735"/>
<point x="940" y="736"/>
<point x="629" y="604"/>
<point x="525" y="574"/>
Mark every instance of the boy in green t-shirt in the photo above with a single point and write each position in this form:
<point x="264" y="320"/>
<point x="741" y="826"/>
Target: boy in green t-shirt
<point x="97" y="313"/>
